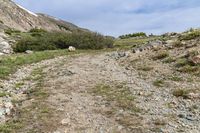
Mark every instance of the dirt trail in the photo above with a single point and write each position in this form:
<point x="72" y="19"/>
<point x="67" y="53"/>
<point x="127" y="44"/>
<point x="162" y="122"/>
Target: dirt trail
<point x="75" y="106"/>
<point x="69" y="85"/>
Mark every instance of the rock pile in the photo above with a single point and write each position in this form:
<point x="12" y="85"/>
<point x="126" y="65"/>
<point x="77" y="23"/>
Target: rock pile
<point x="5" y="47"/>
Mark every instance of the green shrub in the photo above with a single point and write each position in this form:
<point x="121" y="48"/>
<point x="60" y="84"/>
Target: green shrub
<point x="193" y="53"/>
<point x="139" y="34"/>
<point x="175" y="78"/>
<point x="10" y="31"/>
<point x="191" y="35"/>
<point x="37" y="30"/>
<point x="145" y="68"/>
<point x="159" y="83"/>
<point x="178" y="44"/>
<point x="182" y="62"/>
<point x="180" y="93"/>
<point x="39" y="41"/>
<point x="169" y="60"/>
<point x="161" y="55"/>
<point x="64" y="27"/>
<point x="189" y="69"/>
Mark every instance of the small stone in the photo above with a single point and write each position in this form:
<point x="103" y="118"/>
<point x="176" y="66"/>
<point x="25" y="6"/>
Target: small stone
<point x="7" y="111"/>
<point x="2" y="112"/>
<point x="80" y="108"/>
<point x="57" y="132"/>
<point x="193" y="96"/>
<point x="120" y="127"/>
<point x="65" y="121"/>
<point x="8" y="105"/>
<point x="190" y="118"/>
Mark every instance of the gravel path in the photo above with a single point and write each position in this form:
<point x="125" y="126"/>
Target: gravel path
<point x="69" y="81"/>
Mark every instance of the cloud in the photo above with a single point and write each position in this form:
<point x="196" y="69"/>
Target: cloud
<point x="115" y="17"/>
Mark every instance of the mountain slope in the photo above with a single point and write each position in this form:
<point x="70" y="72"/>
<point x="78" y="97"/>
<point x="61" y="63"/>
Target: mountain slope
<point x="17" y="17"/>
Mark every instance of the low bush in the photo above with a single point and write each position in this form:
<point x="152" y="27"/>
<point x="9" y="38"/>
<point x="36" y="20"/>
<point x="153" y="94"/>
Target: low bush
<point x="159" y="83"/>
<point x="178" y="44"/>
<point x="37" y="30"/>
<point x="191" y="35"/>
<point x="169" y="60"/>
<point x="189" y="69"/>
<point x="139" y="34"/>
<point x="41" y="40"/>
<point x="10" y="31"/>
<point x="161" y="55"/>
<point x="181" y="93"/>
<point x="182" y="62"/>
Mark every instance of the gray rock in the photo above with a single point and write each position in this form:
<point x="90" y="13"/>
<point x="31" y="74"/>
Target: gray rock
<point x="5" y="47"/>
<point x="2" y="112"/>
<point x="7" y="111"/>
<point x="65" y="121"/>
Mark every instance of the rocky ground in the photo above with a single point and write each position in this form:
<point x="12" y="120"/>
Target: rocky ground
<point x="107" y="92"/>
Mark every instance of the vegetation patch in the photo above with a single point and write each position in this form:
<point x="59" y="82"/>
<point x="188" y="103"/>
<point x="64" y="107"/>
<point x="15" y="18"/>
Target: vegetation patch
<point x="178" y="44"/>
<point x="159" y="122"/>
<point x="10" y="31"/>
<point x="182" y="62"/>
<point x="175" y="78"/>
<point x="9" y="64"/>
<point x="189" y="69"/>
<point x="161" y="55"/>
<point x="3" y="94"/>
<point x="37" y="113"/>
<point x="130" y="43"/>
<point x="169" y="60"/>
<point x="19" y="85"/>
<point x="181" y="93"/>
<point x="118" y="95"/>
<point x="1" y="22"/>
<point x="40" y="40"/>
<point x="139" y="34"/>
<point x="159" y="83"/>
<point x="145" y="68"/>
<point x="10" y="126"/>
<point x="192" y="34"/>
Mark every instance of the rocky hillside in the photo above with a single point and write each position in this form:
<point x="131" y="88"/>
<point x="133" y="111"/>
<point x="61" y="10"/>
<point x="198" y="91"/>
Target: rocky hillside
<point x="15" y="17"/>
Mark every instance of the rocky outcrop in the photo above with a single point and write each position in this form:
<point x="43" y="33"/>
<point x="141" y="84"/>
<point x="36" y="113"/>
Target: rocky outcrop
<point x="152" y="45"/>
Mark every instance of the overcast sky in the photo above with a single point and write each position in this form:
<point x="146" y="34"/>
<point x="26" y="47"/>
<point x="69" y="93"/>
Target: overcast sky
<point x="116" y="17"/>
